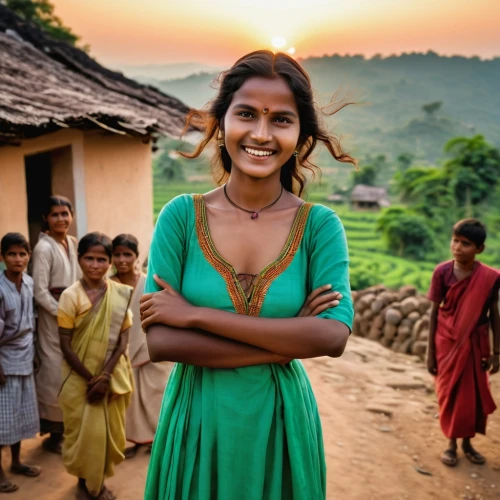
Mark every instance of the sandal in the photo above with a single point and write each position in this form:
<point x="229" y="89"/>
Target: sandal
<point x="8" y="487"/>
<point x="475" y="457"/>
<point x="449" y="458"/>
<point x="26" y="470"/>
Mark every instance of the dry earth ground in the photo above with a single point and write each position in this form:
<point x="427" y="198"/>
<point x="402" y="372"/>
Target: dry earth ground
<point x="382" y="437"/>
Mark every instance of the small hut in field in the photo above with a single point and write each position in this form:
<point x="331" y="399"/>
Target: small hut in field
<point x="369" y="197"/>
<point x="70" y="126"/>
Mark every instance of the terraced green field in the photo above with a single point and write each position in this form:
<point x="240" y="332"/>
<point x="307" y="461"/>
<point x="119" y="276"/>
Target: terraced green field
<point x="369" y="261"/>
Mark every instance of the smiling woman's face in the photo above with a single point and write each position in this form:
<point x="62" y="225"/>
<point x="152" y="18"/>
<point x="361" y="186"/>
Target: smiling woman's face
<point x="261" y="126"/>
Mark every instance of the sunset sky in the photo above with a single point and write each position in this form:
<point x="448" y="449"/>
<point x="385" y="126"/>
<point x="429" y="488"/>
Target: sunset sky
<point x="134" y="32"/>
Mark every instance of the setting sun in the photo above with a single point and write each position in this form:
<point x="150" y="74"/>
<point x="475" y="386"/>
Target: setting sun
<point x="278" y="42"/>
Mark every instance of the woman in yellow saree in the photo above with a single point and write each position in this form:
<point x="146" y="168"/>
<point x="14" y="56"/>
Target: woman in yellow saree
<point x="94" y="321"/>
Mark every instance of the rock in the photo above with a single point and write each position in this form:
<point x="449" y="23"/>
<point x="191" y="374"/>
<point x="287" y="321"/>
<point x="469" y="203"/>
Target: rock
<point x="419" y="326"/>
<point x="376" y="408"/>
<point x="375" y="333"/>
<point x="333" y="377"/>
<point x="365" y="301"/>
<point x="407" y="291"/>
<point x="378" y="322"/>
<point x="396" y="305"/>
<point x="406" y="322"/>
<point x="414" y="317"/>
<point x="390" y="331"/>
<point x="377" y="305"/>
<point x="356" y="325"/>
<point x="406" y="386"/>
<point x="385" y="428"/>
<point x="396" y="368"/>
<point x="393" y="316"/>
<point x="424" y="336"/>
<point x="423" y="471"/>
<point x="419" y="348"/>
<point x="367" y="315"/>
<point x="409" y="305"/>
<point x="423" y="304"/>
<point x="404" y="332"/>
<point x="386" y="342"/>
<point x="406" y="346"/>
<point x="364" y="327"/>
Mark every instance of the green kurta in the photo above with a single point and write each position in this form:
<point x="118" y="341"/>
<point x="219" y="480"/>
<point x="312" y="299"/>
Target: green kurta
<point x="250" y="433"/>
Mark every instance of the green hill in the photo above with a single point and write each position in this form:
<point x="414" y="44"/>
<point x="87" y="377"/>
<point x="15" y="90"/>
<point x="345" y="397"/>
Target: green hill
<point x="390" y="92"/>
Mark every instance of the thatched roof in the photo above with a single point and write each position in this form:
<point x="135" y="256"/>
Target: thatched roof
<point x="370" y="194"/>
<point x="46" y="85"/>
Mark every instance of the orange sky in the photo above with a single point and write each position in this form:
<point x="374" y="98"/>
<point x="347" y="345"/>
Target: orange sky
<point x="217" y="32"/>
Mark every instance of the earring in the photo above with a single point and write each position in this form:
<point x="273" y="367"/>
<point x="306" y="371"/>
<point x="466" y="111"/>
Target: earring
<point x="220" y="139"/>
<point x="295" y="153"/>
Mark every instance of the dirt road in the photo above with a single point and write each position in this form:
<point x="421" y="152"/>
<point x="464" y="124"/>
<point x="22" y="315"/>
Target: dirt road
<point x="382" y="437"/>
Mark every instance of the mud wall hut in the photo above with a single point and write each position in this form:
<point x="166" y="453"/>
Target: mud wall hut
<point x="369" y="197"/>
<point x="73" y="127"/>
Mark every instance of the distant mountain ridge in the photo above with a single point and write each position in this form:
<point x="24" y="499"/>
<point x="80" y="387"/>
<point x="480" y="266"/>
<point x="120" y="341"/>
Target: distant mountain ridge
<point x="391" y="92"/>
<point x="157" y="72"/>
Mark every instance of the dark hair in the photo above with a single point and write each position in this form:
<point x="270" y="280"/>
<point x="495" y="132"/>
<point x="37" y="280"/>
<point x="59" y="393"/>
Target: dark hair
<point x="472" y="229"/>
<point x="11" y="239"/>
<point x="91" y="240"/>
<point x="127" y="240"/>
<point x="57" y="200"/>
<point x="267" y="64"/>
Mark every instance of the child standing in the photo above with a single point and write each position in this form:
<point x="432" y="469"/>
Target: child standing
<point x="18" y="405"/>
<point x="464" y="295"/>
<point x="94" y="322"/>
<point x="150" y="378"/>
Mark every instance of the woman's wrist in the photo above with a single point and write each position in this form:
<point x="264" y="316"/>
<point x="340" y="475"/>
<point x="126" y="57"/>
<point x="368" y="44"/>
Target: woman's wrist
<point x="197" y="319"/>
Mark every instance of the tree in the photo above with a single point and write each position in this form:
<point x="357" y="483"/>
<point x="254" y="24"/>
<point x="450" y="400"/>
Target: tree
<point x="406" y="234"/>
<point x="170" y="165"/>
<point x="41" y="12"/>
<point x="473" y="170"/>
<point x="404" y="161"/>
<point x="431" y="108"/>
<point x="365" y="175"/>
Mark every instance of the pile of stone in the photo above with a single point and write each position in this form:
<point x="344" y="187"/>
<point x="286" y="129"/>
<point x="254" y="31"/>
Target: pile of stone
<point x="398" y="319"/>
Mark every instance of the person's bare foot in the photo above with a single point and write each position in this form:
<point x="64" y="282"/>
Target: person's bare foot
<point x="131" y="451"/>
<point x="105" y="493"/>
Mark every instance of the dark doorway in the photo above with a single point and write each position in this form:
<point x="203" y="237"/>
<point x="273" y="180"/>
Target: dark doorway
<point x="38" y="169"/>
<point x="47" y="173"/>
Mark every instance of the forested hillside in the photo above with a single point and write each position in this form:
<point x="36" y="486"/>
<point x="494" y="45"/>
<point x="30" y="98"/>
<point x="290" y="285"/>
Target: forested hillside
<point x="390" y="92"/>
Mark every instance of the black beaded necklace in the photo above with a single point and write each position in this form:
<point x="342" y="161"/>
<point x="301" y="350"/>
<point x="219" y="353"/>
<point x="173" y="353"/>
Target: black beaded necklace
<point x="255" y="213"/>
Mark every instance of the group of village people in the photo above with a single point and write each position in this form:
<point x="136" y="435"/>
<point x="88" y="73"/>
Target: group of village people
<point x="87" y="381"/>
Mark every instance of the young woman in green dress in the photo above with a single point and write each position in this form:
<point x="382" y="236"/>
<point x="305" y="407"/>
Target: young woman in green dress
<point x="239" y="289"/>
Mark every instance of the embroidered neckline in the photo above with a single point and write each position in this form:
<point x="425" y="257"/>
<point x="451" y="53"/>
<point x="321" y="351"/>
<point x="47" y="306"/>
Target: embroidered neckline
<point x="253" y="305"/>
